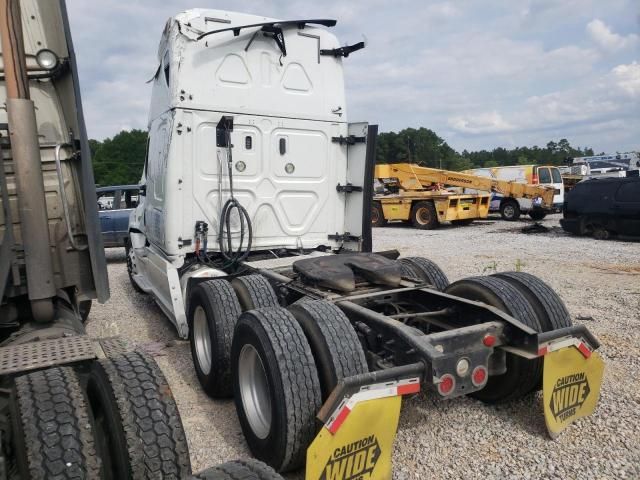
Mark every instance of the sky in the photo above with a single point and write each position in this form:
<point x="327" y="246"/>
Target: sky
<point x="481" y="74"/>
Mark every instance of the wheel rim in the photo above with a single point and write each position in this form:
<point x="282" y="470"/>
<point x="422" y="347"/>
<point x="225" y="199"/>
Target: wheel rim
<point x="202" y="340"/>
<point x="254" y="391"/>
<point x="509" y="211"/>
<point x="423" y="215"/>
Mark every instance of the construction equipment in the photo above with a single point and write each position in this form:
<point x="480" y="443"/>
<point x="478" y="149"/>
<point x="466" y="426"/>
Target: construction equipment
<point x="511" y="206"/>
<point x="253" y="235"/>
<point x="418" y="194"/>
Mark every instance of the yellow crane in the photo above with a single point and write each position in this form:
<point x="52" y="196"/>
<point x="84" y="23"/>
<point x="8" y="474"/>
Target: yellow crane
<point x="418" y="194"/>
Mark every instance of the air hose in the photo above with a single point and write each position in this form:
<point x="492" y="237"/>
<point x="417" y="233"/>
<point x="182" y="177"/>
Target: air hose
<point x="225" y="236"/>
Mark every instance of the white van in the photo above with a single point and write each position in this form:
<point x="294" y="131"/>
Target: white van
<point x="511" y="208"/>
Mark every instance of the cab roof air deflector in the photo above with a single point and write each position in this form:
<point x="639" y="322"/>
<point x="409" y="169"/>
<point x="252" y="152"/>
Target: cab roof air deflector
<point x="271" y="25"/>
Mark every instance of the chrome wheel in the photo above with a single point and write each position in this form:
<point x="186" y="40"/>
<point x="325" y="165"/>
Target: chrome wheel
<point x="202" y="339"/>
<point x="254" y="391"/>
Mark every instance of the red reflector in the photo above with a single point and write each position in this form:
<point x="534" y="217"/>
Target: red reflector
<point x="584" y="350"/>
<point x="337" y="423"/>
<point x="447" y="382"/>
<point x="489" y="340"/>
<point x="479" y="376"/>
<point x="409" y="388"/>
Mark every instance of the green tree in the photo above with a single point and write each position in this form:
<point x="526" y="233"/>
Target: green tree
<point x="119" y="160"/>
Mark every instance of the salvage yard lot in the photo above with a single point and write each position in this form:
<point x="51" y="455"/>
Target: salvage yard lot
<point x="598" y="280"/>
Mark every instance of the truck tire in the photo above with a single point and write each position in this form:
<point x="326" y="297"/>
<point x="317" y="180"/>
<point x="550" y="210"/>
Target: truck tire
<point x="423" y="269"/>
<point x="510" y="210"/>
<point x="377" y="215"/>
<point x="254" y="291"/>
<point x="549" y="307"/>
<point x="131" y="265"/>
<point x="239" y="470"/>
<point x="213" y="312"/>
<point x="84" y="308"/>
<point x="334" y="343"/>
<point x="537" y="214"/>
<point x="276" y="387"/>
<point x="52" y="429"/>
<point x="522" y="375"/>
<point x="138" y="427"/>
<point x="424" y="216"/>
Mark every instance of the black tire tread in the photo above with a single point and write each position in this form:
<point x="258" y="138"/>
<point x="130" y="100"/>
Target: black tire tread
<point x="127" y="247"/>
<point x="301" y="386"/>
<point x="421" y="268"/>
<point x="260" y="291"/>
<point x="428" y="204"/>
<point x="516" y="305"/>
<point x="557" y="314"/>
<point x="155" y="438"/>
<point x="341" y="340"/>
<point x="56" y="427"/>
<point x="381" y="220"/>
<point x="239" y="470"/>
<point x="226" y="310"/>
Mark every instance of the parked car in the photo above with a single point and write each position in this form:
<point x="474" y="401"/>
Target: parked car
<point x="511" y="208"/>
<point x="115" y="203"/>
<point x="603" y="207"/>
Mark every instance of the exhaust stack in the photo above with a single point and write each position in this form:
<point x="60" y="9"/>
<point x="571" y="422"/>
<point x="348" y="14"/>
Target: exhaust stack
<point x="25" y="151"/>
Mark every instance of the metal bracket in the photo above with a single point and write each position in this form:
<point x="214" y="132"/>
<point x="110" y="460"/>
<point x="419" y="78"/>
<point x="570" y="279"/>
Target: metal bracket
<point x="349" y="140"/>
<point x="343" y="51"/>
<point x="344" y="237"/>
<point x="348" y="188"/>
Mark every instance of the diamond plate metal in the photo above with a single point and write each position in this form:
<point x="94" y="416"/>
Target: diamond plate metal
<point x="45" y="353"/>
<point x="113" y="346"/>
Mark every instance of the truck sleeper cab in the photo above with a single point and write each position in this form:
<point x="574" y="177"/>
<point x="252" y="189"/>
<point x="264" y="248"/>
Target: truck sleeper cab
<point x="253" y="236"/>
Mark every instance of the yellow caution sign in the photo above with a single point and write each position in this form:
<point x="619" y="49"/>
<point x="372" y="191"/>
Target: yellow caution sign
<point x="571" y="386"/>
<point x="361" y="444"/>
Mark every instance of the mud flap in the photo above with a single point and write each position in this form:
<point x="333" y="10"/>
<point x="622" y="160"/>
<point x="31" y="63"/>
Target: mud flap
<point x="571" y="386"/>
<point x="357" y="440"/>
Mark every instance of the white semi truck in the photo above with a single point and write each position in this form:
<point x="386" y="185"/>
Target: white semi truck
<point x="253" y="235"/>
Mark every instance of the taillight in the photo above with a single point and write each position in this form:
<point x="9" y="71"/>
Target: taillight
<point x="479" y="376"/>
<point x="489" y="340"/>
<point x="446" y="385"/>
<point x="534" y="178"/>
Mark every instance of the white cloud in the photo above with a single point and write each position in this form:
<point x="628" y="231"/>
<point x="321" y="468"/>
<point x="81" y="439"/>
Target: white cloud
<point x="607" y="39"/>
<point x="627" y="78"/>
<point x="480" y="74"/>
<point x="489" y="122"/>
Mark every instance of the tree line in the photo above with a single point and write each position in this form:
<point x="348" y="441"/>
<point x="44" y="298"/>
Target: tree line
<point x="120" y="160"/>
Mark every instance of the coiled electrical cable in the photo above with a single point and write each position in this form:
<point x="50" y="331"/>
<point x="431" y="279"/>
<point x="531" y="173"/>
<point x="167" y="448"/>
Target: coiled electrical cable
<point x="225" y="237"/>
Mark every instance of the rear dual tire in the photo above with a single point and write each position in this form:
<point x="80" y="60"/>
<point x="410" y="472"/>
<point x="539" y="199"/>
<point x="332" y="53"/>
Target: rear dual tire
<point x="424" y="270"/>
<point x="53" y="433"/>
<point x="239" y="470"/>
<point x="276" y="386"/>
<point x="522" y="375"/>
<point x="285" y="364"/>
<point x="139" y="430"/>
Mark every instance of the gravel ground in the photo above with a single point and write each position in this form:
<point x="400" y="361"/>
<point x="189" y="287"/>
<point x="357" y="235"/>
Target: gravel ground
<point x="461" y="438"/>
